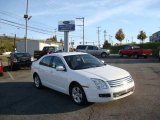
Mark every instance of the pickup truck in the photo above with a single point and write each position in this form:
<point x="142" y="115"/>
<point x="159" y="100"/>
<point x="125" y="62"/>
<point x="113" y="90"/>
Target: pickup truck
<point x="94" y="50"/>
<point x="46" y="50"/>
<point x="136" y="51"/>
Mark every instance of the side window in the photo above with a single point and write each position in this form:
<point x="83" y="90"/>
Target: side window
<point x="46" y="61"/>
<point x="82" y="47"/>
<point x="95" y="48"/>
<point x="90" y="47"/>
<point x="57" y="62"/>
<point x="126" y="47"/>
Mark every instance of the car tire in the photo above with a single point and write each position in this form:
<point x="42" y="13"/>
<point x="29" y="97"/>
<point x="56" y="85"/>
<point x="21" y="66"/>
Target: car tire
<point x="37" y="82"/>
<point x="78" y="95"/>
<point x="103" y="55"/>
<point x="120" y="54"/>
<point x="136" y="56"/>
<point x="1" y="74"/>
<point x="145" y="56"/>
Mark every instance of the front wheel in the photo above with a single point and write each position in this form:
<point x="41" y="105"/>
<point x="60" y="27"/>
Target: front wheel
<point x="78" y="95"/>
<point x="37" y="82"/>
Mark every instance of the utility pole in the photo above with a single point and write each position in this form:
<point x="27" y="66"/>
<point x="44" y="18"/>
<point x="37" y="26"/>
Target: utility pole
<point x="132" y="39"/>
<point x="26" y="17"/>
<point x="98" y="31"/>
<point x="82" y="18"/>
<point x="105" y="34"/>
<point x="14" y="46"/>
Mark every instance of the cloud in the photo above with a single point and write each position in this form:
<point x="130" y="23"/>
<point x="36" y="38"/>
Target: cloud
<point x="96" y="11"/>
<point x="131" y="7"/>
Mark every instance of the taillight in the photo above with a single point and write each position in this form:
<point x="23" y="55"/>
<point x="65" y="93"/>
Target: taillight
<point x="14" y="60"/>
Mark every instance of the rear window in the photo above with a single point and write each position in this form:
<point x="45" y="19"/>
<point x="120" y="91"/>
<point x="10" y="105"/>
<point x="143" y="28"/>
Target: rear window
<point x="81" y="47"/>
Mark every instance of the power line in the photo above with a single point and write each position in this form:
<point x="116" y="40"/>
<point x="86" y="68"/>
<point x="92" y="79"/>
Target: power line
<point x="12" y="15"/>
<point x="24" y="25"/>
<point x="24" y="28"/>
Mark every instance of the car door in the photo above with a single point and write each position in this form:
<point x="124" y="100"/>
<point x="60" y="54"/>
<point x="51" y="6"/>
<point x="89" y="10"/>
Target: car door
<point x="90" y="50"/>
<point x="58" y="79"/>
<point x="44" y="70"/>
<point x="96" y="51"/>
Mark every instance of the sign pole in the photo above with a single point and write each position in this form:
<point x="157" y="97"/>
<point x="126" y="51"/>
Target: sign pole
<point x="66" y="43"/>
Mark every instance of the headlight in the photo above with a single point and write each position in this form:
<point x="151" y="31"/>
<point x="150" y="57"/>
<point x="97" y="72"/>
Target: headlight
<point x="100" y="84"/>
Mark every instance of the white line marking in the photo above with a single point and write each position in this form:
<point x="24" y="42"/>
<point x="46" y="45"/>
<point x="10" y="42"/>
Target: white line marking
<point x="10" y="76"/>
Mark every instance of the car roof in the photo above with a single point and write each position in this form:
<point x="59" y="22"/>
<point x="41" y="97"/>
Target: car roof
<point x="66" y="53"/>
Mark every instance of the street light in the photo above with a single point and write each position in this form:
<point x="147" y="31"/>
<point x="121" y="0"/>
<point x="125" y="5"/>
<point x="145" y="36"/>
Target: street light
<point x="98" y="31"/>
<point x="82" y="18"/>
<point x="26" y="17"/>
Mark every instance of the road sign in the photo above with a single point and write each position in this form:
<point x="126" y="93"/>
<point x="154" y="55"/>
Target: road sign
<point x="64" y="26"/>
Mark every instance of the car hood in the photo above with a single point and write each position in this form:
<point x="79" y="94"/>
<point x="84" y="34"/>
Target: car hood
<point x="106" y="72"/>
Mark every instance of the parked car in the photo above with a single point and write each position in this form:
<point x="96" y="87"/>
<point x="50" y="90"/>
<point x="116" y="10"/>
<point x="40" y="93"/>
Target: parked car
<point x="19" y="59"/>
<point x="82" y="76"/>
<point x="93" y="50"/>
<point x="136" y="51"/>
<point x="1" y="68"/>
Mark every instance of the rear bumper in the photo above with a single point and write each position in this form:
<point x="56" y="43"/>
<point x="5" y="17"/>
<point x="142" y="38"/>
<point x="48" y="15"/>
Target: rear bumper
<point x="21" y="64"/>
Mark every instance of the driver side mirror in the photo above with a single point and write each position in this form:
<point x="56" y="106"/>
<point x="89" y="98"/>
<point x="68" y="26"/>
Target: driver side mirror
<point x="60" y="68"/>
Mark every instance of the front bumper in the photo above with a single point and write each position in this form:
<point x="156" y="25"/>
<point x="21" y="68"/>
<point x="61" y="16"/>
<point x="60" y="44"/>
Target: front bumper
<point x="106" y="95"/>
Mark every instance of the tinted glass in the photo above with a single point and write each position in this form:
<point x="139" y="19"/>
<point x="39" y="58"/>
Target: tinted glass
<point x="46" y="61"/>
<point x="84" y="61"/>
<point x="57" y="62"/>
<point x="95" y="48"/>
<point x="90" y="47"/>
<point x="81" y="47"/>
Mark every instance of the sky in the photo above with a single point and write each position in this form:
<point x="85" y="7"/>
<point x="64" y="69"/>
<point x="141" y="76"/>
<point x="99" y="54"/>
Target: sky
<point x="131" y="16"/>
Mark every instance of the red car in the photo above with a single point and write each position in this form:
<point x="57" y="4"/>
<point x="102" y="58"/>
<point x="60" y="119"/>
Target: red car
<point x="1" y="68"/>
<point x="136" y="51"/>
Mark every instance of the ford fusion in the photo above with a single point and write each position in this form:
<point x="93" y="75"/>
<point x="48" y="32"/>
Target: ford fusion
<point x="82" y="76"/>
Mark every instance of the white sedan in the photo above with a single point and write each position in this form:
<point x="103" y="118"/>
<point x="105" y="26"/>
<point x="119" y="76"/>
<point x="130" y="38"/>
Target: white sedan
<point x="82" y="76"/>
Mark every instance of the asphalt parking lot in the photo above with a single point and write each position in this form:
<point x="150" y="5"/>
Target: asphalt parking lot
<point x="19" y="99"/>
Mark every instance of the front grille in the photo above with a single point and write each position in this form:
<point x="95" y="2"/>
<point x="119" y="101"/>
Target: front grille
<point x="120" y="82"/>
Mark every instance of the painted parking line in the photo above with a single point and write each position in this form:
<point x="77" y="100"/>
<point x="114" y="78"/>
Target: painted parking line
<point x="10" y="75"/>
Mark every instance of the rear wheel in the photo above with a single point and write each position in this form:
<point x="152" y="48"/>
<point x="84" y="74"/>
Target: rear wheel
<point x="136" y="56"/>
<point x="103" y="55"/>
<point x="37" y="81"/>
<point x="78" y="95"/>
<point x="120" y="54"/>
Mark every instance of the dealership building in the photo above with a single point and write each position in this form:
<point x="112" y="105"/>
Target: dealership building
<point x="155" y="37"/>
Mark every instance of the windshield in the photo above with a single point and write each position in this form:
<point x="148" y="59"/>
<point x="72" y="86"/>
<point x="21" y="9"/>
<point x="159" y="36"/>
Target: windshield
<point x="22" y="55"/>
<point x="83" y="61"/>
